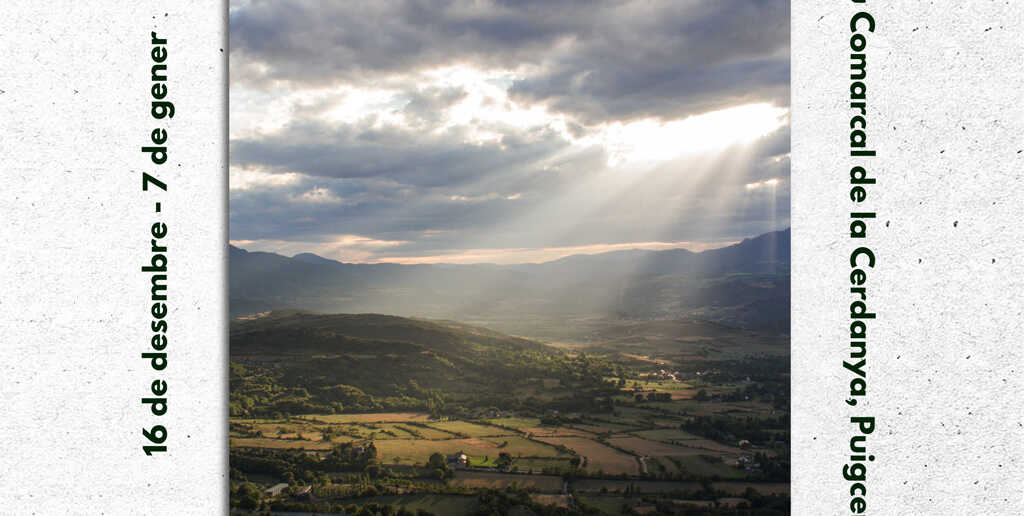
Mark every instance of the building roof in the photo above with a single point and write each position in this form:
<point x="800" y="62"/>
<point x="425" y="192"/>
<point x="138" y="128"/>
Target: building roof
<point x="275" y="489"/>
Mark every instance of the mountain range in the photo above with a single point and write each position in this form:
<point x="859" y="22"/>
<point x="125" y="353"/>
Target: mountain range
<point x="745" y="285"/>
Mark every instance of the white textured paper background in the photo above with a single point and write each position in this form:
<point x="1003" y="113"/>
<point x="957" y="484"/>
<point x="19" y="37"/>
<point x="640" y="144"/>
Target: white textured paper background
<point x="944" y="356"/>
<point x="946" y="115"/>
<point x="74" y="231"/>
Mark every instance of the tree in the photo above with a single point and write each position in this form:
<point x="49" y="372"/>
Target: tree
<point x="249" y="496"/>
<point x="504" y="459"/>
<point x="373" y="470"/>
<point x="436" y="460"/>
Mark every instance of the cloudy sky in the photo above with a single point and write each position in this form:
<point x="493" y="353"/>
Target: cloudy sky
<point x="506" y="131"/>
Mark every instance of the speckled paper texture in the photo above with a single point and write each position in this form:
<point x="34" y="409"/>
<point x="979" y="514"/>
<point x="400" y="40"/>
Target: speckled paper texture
<point x="74" y="226"/>
<point x="944" y="359"/>
<point x="944" y="355"/>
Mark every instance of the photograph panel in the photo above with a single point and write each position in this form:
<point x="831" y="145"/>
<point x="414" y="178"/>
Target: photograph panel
<point x="510" y="257"/>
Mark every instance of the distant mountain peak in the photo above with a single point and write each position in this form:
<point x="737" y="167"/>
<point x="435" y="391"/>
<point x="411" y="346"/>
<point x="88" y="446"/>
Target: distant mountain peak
<point x="313" y="258"/>
<point x="780" y="237"/>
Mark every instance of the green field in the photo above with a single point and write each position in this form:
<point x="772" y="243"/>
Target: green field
<point x="538" y="465"/>
<point x="642" y="486"/>
<point x="484" y="479"/>
<point x="605" y="427"/>
<point x="610" y="505"/>
<point x="384" y="417"/>
<point x="482" y="451"/>
<point x="453" y="505"/>
<point x="424" y="432"/>
<point x="467" y="429"/>
<point x="644" y="447"/>
<point x="518" y="423"/>
<point x="598" y="456"/>
<point x="280" y="444"/>
<point x="708" y="466"/>
<point x="665" y="435"/>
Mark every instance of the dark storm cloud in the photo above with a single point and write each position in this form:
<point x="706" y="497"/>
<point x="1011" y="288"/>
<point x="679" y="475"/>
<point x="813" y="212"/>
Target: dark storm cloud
<point x="379" y="209"/>
<point x="405" y="156"/>
<point x="363" y="40"/>
<point x="438" y="187"/>
<point x="523" y="206"/>
<point x="597" y="61"/>
<point x="683" y="59"/>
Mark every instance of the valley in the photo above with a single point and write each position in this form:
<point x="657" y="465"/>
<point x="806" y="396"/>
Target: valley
<point x="643" y="413"/>
<point x="631" y="382"/>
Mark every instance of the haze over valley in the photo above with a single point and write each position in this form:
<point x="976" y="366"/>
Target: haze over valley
<point x="743" y="286"/>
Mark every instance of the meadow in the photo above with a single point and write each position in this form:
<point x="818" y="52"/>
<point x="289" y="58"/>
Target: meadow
<point x="643" y="440"/>
<point x="581" y="431"/>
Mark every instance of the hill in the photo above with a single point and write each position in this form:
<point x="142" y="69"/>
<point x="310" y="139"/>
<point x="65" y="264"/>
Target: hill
<point x="302" y="362"/>
<point x="301" y="332"/>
